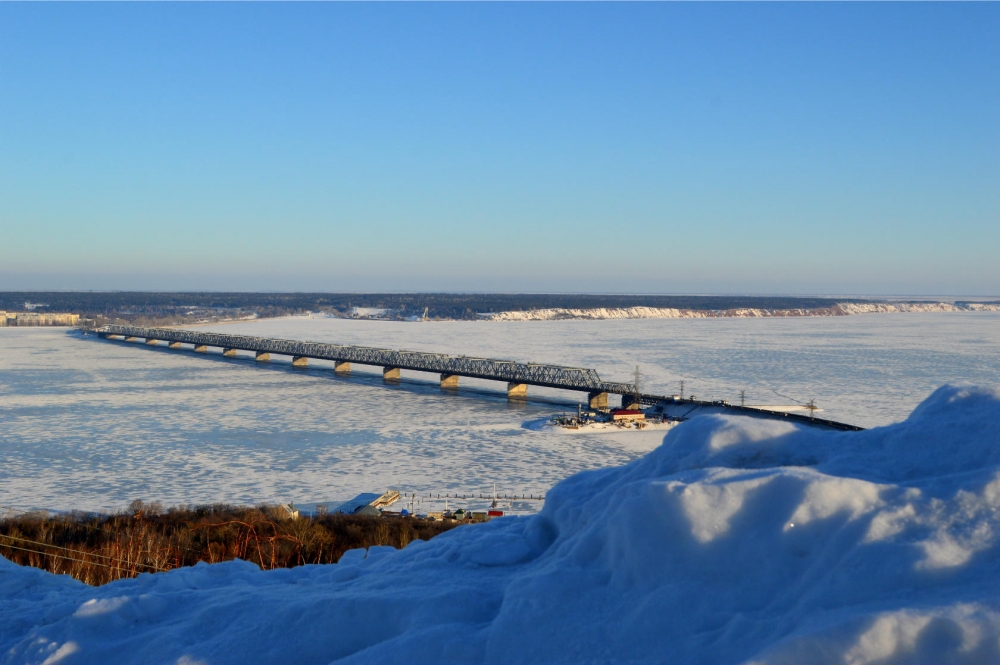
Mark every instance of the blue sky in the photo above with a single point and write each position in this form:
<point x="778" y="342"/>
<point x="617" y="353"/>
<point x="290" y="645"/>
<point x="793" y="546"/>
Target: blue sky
<point x="655" y="148"/>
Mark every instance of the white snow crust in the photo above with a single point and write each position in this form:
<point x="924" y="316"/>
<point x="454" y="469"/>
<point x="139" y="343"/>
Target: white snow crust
<point x="840" y="309"/>
<point x="735" y="541"/>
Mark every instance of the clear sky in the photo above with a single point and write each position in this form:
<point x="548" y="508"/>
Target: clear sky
<point x="656" y="148"/>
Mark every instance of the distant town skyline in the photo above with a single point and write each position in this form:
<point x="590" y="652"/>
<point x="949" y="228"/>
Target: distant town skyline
<point x="842" y="149"/>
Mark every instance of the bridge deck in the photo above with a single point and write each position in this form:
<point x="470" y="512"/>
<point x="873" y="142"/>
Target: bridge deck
<point x="688" y="408"/>
<point x="550" y="376"/>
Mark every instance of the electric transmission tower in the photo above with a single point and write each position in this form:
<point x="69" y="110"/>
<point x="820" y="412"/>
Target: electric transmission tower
<point x="743" y="398"/>
<point x="638" y="384"/>
<point x="811" y="405"/>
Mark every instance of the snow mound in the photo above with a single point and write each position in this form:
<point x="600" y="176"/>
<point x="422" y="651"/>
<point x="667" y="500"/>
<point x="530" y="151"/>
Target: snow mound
<point x="736" y="541"/>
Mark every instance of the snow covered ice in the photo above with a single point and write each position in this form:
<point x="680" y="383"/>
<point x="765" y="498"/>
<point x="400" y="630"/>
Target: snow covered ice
<point x="735" y="541"/>
<point x="94" y="425"/>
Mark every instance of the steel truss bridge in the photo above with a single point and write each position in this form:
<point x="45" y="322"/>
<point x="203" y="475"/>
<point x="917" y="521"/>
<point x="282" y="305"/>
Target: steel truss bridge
<point x="549" y="376"/>
<point x="517" y="375"/>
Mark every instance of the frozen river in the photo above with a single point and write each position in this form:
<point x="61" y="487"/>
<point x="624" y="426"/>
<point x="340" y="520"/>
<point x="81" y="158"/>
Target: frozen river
<point x="91" y="424"/>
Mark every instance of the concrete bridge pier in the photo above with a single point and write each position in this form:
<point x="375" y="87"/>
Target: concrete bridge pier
<point x="300" y="362"/>
<point x="598" y="400"/>
<point x="449" y="381"/>
<point x="174" y="345"/>
<point x="517" y="390"/>
<point x="263" y="357"/>
<point x="390" y="374"/>
<point x="201" y="348"/>
<point x="342" y="367"/>
<point x="151" y="341"/>
<point x="630" y="403"/>
<point x="131" y="339"/>
<point x="229" y="353"/>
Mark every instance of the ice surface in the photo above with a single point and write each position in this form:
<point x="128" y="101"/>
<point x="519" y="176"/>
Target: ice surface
<point x="735" y="541"/>
<point x="866" y="370"/>
<point x="95" y="424"/>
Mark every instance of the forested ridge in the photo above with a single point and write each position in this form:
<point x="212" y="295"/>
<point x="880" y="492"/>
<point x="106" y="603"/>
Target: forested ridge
<point x="165" y="307"/>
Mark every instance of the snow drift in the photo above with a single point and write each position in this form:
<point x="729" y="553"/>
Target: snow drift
<point x="736" y="541"/>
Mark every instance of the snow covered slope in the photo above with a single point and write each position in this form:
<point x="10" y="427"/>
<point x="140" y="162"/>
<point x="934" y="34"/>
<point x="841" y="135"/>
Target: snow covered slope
<point x="736" y="541"/>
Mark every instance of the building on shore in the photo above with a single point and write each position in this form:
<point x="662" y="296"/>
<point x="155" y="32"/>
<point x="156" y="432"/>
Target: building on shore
<point x="38" y="319"/>
<point x="628" y="416"/>
<point x="369" y="500"/>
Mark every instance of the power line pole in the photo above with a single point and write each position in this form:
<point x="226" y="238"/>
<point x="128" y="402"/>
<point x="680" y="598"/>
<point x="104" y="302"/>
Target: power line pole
<point x="743" y="398"/>
<point x="638" y="382"/>
<point x="682" y="390"/>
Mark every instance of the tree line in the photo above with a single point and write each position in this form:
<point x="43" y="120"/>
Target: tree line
<point x="172" y="307"/>
<point x="97" y="549"/>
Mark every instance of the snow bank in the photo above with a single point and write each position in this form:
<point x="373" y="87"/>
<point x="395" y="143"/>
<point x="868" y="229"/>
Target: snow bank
<point x="840" y="309"/>
<point x="736" y="541"/>
<point x="892" y="308"/>
<point x="600" y="313"/>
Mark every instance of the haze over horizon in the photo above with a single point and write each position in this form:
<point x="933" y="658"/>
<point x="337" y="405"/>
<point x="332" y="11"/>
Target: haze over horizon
<point x="868" y="296"/>
<point x="598" y="148"/>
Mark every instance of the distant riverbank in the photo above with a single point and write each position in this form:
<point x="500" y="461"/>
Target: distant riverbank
<point x="840" y="309"/>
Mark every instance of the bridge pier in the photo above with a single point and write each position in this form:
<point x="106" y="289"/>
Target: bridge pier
<point x="342" y="367"/>
<point x="517" y="390"/>
<point x="131" y="339"/>
<point x="598" y="400"/>
<point x="105" y="336"/>
<point x="300" y="361"/>
<point x="449" y="381"/>
<point x="263" y="357"/>
<point x="229" y="353"/>
<point x="390" y="374"/>
<point x="174" y="345"/>
<point x="630" y="403"/>
<point x="151" y="341"/>
<point x="201" y="348"/>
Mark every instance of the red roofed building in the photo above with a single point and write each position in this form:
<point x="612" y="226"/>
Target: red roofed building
<point x="627" y="415"/>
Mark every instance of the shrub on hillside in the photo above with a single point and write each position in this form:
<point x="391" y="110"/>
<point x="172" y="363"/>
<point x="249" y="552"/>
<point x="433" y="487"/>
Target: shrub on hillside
<point x="97" y="549"/>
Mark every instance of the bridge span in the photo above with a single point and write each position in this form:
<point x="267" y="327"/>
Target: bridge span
<point x="518" y="376"/>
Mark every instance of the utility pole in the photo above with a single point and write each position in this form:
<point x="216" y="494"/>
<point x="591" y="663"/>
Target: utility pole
<point x="743" y="398"/>
<point x="811" y="405"/>
<point x="682" y="390"/>
<point x="638" y="382"/>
